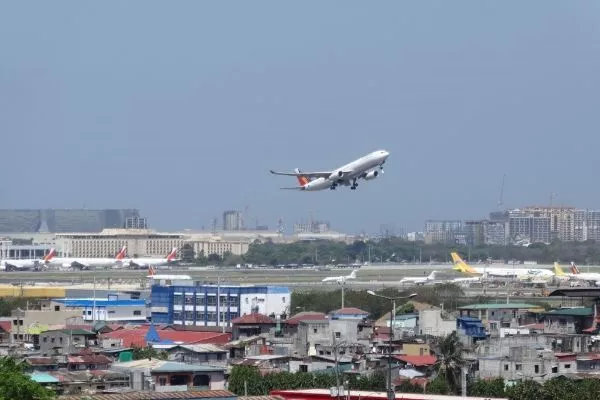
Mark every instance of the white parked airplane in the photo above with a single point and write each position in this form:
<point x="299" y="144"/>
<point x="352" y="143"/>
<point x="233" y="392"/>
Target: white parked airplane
<point x="340" y="279"/>
<point x="27" y="264"/>
<point x="520" y="273"/>
<point x="365" y="167"/>
<point x="578" y="275"/>
<point x="146" y="262"/>
<point x="419" y="280"/>
<point x="86" y="263"/>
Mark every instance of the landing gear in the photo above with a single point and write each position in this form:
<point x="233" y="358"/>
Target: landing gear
<point x="333" y="186"/>
<point x="354" y="185"/>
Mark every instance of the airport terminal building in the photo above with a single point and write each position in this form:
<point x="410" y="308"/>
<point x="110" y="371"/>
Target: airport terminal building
<point x="186" y="304"/>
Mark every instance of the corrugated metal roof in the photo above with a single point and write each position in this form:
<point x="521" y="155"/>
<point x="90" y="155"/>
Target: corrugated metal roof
<point x="496" y="306"/>
<point x="205" y="394"/>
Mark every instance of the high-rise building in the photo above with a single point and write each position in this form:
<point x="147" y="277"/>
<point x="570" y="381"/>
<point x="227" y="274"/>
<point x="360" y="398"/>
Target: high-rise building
<point x="312" y="227"/>
<point x="474" y="232"/>
<point x="561" y="220"/>
<point x="495" y="233"/>
<point x="528" y="227"/>
<point x="63" y="220"/>
<point x="136" y="223"/>
<point x="233" y="221"/>
<point x="443" y="231"/>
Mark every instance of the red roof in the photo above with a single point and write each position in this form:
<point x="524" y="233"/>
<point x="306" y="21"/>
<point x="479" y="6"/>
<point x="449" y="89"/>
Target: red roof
<point x="418" y="361"/>
<point x="350" y="310"/>
<point x="253" y="318"/>
<point x="305" y="316"/>
<point x="137" y="337"/>
<point x="6" y="326"/>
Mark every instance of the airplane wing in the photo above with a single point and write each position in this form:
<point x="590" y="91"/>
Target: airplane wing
<point x="292" y="188"/>
<point x="324" y="174"/>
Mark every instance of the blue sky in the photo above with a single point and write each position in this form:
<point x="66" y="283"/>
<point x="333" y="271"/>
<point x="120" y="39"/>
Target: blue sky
<point x="180" y="109"/>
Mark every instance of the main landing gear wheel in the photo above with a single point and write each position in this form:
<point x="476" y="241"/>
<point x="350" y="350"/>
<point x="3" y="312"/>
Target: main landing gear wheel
<point x="354" y="185"/>
<point x="332" y="187"/>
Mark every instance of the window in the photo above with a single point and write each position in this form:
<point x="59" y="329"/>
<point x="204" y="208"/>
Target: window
<point x="178" y="300"/>
<point x="567" y="366"/>
<point x="137" y="312"/>
<point x="56" y="308"/>
<point x="223" y="301"/>
<point x="537" y="369"/>
<point x="303" y="368"/>
<point x="506" y="367"/>
<point x="315" y="330"/>
<point x="211" y="300"/>
<point x="189" y="299"/>
<point x="518" y="367"/>
<point x="338" y="335"/>
<point x="283" y="300"/>
<point x="200" y="299"/>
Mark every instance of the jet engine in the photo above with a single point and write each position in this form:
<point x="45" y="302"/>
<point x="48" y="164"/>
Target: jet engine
<point x="371" y="175"/>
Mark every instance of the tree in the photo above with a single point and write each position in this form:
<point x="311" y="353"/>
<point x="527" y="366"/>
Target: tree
<point x="487" y="388"/>
<point x="140" y="353"/>
<point x="525" y="390"/>
<point x="450" y="360"/>
<point x="244" y="378"/>
<point x="201" y="258"/>
<point x="187" y="253"/>
<point x="14" y="384"/>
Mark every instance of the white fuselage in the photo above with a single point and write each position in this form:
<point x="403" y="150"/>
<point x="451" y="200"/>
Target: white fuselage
<point x="83" y="263"/>
<point x="145" y="262"/>
<point x="515" y="272"/>
<point x="350" y="171"/>
<point x="13" y="265"/>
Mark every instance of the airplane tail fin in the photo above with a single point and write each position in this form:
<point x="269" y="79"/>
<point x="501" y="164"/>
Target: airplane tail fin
<point x="574" y="268"/>
<point x="558" y="271"/>
<point x="50" y="255"/>
<point x="121" y="254"/>
<point x="172" y="254"/>
<point x="151" y="271"/>
<point x="302" y="180"/>
<point x="432" y="275"/>
<point x="352" y="274"/>
<point x="460" y="265"/>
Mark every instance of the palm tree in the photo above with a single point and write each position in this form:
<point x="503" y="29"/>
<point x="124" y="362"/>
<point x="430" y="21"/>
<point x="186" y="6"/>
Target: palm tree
<point x="450" y="361"/>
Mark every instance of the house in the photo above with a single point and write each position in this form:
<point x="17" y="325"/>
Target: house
<point x="251" y="325"/>
<point x="168" y="376"/>
<point x="87" y="360"/>
<point x="470" y="330"/>
<point x="65" y="341"/>
<point x="200" y="354"/>
<point x="567" y="320"/>
<point x="266" y="363"/>
<point x="349" y="313"/>
<point x="494" y="316"/>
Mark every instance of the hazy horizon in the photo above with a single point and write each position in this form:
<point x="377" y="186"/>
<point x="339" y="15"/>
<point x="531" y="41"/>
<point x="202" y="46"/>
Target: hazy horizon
<point x="180" y="109"/>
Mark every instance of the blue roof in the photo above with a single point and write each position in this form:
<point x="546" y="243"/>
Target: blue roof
<point x="42" y="377"/>
<point x="100" y="302"/>
<point x="278" y="289"/>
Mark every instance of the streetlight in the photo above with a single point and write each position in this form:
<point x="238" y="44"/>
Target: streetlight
<point x="390" y="386"/>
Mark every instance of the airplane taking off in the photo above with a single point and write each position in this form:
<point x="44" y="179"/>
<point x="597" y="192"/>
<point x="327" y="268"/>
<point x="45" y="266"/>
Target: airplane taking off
<point x="520" y="273"/>
<point x="340" y="279"/>
<point x="365" y="167"/>
<point x="146" y="262"/>
<point x="419" y="280"/>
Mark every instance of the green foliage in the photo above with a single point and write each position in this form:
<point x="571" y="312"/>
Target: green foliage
<point x="14" y="384"/>
<point x="258" y="385"/>
<point x="438" y="386"/>
<point x="396" y="249"/>
<point x="487" y="388"/>
<point x="140" y="353"/>
<point x="525" y="390"/>
<point x="326" y="301"/>
<point x="449" y="350"/>
<point x="7" y="305"/>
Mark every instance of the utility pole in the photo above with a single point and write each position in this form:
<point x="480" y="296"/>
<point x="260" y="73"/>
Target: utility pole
<point x="343" y="285"/>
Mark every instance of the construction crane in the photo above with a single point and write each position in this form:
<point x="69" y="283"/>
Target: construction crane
<point x="501" y="201"/>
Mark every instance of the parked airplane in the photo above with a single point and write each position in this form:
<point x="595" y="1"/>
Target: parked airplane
<point x="157" y="277"/>
<point x="86" y="263"/>
<point x="417" y="280"/>
<point x="580" y="276"/>
<point x="340" y="279"/>
<point x="347" y="175"/>
<point x="520" y="273"/>
<point x="145" y="262"/>
<point x="560" y="274"/>
<point x="27" y="264"/>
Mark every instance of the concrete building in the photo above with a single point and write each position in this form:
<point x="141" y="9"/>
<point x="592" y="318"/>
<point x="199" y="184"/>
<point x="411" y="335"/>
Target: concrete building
<point x="318" y="337"/>
<point x="65" y="341"/>
<point x="28" y="324"/>
<point x="502" y="315"/>
<point x="474" y="232"/>
<point x="442" y="231"/>
<point x="187" y="304"/>
<point x="527" y="227"/>
<point x="431" y="323"/>
<point x="495" y="233"/>
<point x="145" y="242"/>
<point x="561" y="220"/>
<point x="233" y="221"/>
<point x="110" y="309"/>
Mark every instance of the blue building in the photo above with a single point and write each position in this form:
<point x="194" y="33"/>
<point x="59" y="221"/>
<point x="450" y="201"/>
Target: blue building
<point x="198" y="305"/>
<point x="110" y="309"/>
